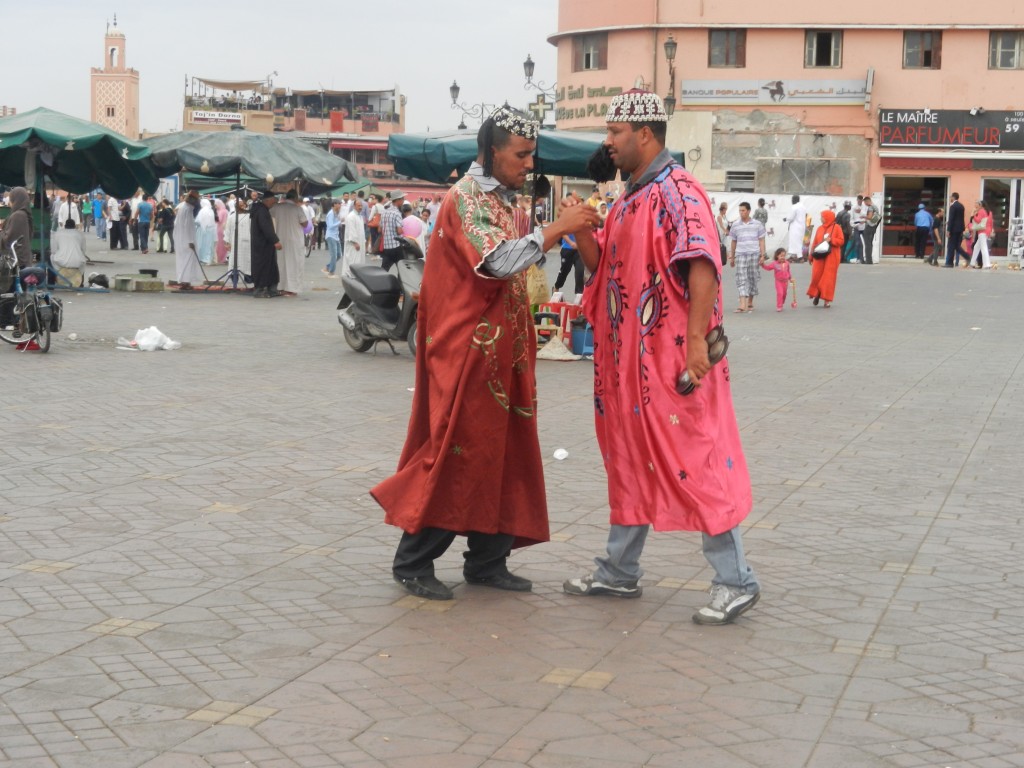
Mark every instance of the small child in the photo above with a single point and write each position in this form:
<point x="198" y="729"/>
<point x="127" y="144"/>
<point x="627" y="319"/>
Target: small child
<point x="782" y="276"/>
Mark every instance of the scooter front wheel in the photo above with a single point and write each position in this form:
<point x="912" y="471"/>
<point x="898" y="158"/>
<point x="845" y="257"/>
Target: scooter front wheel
<point x="411" y="338"/>
<point x="356" y="340"/>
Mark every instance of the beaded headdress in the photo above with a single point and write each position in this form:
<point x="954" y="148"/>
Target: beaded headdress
<point x="637" y="106"/>
<point x="515" y="122"/>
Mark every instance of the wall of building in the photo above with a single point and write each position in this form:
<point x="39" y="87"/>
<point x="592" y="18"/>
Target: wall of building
<point x="799" y="145"/>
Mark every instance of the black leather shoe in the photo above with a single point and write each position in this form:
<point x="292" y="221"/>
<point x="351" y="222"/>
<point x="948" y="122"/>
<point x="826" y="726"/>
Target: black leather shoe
<point x="427" y="587"/>
<point x="504" y="580"/>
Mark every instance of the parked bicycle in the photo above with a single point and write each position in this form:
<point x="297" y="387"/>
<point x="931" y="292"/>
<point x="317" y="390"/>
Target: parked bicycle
<point x="30" y="313"/>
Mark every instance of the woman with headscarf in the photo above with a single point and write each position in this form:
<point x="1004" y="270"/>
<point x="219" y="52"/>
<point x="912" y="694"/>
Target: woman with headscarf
<point x="222" y="217"/>
<point x="825" y="267"/>
<point x="18" y="228"/>
<point x="206" y="231"/>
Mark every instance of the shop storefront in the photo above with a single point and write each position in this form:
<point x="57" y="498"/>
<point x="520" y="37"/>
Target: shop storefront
<point x="926" y="155"/>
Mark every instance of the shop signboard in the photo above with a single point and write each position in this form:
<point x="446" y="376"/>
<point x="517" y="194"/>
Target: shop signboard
<point x="216" y="118"/>
<point x="951" y="129"/>
<point x="779" y="92"/>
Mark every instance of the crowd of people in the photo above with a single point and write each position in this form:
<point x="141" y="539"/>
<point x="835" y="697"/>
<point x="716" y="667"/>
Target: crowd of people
<point x="844" y="237"/>
<point x="351" y="228"/>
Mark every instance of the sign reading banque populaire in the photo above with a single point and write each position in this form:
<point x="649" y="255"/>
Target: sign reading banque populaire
<point x="779" y="92"/>
<point x="951" y="129"/>
<point x="217" y="118"/>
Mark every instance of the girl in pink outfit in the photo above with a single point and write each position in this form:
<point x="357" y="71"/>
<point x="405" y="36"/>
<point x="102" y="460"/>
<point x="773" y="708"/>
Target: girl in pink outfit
<point x="782" y="276"/>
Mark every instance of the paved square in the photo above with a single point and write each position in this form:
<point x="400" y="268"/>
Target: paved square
<point x="192" y="573"/>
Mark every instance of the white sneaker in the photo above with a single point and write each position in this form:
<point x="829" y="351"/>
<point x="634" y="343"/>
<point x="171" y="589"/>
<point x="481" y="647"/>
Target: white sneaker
<point x="726" y="604"/>
<point x="588" y="586"/>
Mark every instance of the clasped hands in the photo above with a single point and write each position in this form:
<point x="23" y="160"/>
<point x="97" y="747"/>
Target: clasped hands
<point x="576" y="217"/>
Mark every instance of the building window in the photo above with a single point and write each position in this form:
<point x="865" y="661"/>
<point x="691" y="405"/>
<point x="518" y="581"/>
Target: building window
<point x="740" y="181"/>
<point x="590" y="52"/>
<point x="727" y="48"/>
<point x="366" y="156"/>
<point x="922" y="50"/>
<point x="111" y="112"/>
<point x="823" y="48"/>
<point x="1005" y="49"/>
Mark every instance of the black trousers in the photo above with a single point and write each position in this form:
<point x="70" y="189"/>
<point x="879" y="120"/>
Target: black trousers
<point x="571" y="260"/>
<point x="921" y="241"/>
<point x="955" y="248"/>
<point x="869" y="243"/>
<point x="416" y="553"/>
<point x="119" y="235"/>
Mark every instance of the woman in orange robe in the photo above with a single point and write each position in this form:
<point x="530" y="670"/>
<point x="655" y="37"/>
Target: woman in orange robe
<point x="824" y="270"/>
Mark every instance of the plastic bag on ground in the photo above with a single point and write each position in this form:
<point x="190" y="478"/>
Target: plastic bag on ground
<point x="151" y="339"/>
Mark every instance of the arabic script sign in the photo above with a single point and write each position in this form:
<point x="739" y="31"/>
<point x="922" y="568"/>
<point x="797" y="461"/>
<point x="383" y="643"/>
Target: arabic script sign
<point x="951" y="128"/>
<point x="781" y="92"/>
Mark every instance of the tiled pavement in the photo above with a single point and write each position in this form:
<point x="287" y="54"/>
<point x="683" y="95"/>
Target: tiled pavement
<point x="192" y="573"/>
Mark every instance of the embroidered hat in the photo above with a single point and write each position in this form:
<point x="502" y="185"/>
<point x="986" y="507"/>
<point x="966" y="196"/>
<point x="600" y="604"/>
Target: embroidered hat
<point x="637" y="106"/>
<point x="514" y="121"/>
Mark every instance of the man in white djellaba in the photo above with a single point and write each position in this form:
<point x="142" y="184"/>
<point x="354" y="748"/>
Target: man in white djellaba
<point x="289" y="222"/>
<point x="239" y="216"/>
<point x="186" y="258"/>
<point x="355" y="239"/>
<point x="797" y="227"/>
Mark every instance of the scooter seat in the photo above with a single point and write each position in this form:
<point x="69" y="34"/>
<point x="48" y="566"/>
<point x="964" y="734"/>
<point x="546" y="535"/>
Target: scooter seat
<point x="376" y="279"/>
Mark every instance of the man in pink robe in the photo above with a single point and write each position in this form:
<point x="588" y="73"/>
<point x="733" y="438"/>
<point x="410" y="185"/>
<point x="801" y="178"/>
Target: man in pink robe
<point x="673" y="461"/>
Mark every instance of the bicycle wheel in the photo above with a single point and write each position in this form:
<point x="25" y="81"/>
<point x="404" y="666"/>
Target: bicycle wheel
<point x="42" y="334"/>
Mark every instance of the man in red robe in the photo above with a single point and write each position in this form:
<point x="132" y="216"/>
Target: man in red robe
<point x="674" y="460"/>
<point x="471" y="463"/>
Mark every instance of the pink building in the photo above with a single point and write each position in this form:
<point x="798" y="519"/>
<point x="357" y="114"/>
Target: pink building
<point x="909" y="102"/>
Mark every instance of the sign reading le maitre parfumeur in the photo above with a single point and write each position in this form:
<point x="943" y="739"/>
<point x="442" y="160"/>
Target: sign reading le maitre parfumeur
<point x="951" y="129"/>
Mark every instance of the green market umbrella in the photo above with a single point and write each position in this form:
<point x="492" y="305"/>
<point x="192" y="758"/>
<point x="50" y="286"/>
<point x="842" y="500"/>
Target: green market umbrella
<point x="76" y="155"/>
<point x="435" y="156"/>
<point x="268" y="158"/>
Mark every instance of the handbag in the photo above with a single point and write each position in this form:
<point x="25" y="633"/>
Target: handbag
<point x="821" y="249"/>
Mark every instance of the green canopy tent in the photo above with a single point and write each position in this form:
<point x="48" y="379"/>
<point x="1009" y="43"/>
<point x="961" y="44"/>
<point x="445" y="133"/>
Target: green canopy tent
<point x="268" y="158"/>
<point x="436" y="156"/>
<point x="74" y="154"/>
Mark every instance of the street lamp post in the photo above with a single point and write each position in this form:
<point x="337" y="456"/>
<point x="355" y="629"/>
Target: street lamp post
<point x="528" y="69"/>
<point x="670" y="56"/>
<point x="473" y="111"/>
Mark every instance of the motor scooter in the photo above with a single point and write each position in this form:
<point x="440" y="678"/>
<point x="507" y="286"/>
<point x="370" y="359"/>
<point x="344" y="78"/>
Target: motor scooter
<point x="381" y="306"/>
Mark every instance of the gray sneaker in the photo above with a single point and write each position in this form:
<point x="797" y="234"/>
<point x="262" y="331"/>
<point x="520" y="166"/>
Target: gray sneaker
<point x="726" y="604"/>
<point x="588" y="586"/>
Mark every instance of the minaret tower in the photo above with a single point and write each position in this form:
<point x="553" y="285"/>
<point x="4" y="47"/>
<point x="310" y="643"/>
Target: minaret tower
<point x="115" y="87"/>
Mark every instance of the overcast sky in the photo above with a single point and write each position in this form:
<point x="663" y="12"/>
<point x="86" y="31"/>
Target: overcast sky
<point x="421" y="47"/>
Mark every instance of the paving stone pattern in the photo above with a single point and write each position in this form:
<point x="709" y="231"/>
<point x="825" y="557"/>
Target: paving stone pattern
<point x="192" y="573"/>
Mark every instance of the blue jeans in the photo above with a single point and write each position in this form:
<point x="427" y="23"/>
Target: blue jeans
<point x="144" y="236"/>
<point x="101" y="228"/>
<point x="334" y="248"/>
<point x="723" y="552"/>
